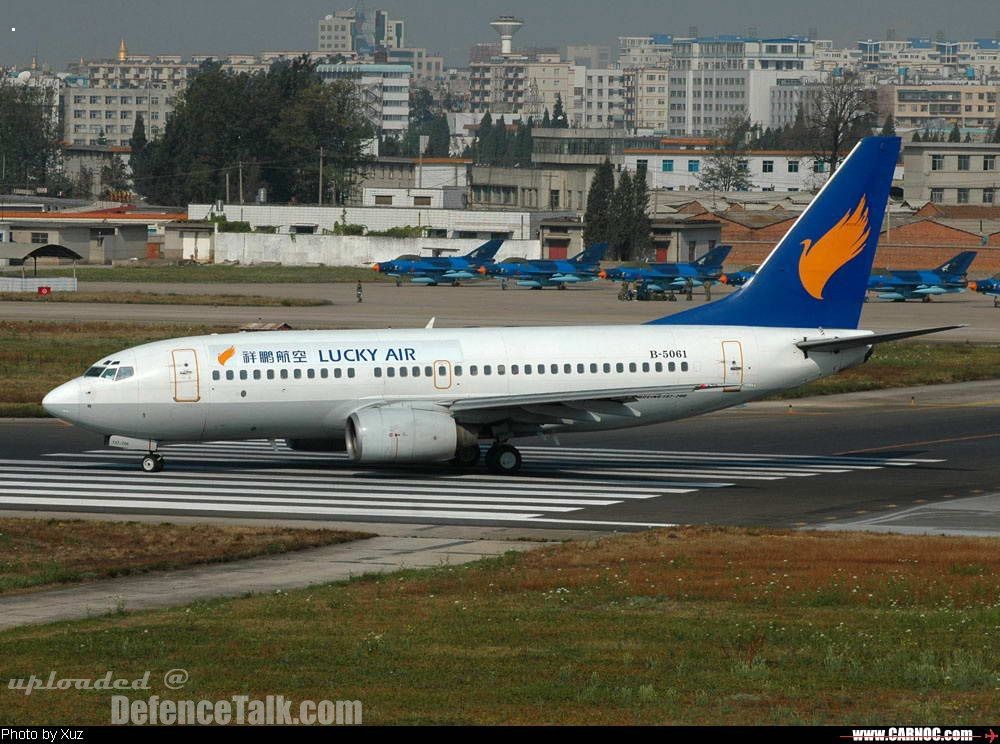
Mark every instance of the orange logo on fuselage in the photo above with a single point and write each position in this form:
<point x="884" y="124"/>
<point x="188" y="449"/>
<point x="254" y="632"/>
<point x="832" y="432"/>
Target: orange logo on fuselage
<point x="841" y="243"/>
<point x="226" y="355"/>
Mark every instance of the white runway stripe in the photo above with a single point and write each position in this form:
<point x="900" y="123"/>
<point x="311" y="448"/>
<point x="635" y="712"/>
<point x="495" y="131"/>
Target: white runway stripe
<point x="558" y="485"/>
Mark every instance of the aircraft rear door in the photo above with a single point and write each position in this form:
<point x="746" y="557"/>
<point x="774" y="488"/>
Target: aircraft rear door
<point x="184" y="376"/>
<point x="732" y="366"/>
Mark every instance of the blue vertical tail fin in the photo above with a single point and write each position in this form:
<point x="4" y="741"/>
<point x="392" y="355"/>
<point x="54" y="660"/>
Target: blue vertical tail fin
<point x="714" y="258"/>
<point x="818" y="273"/>
<point x="958" y="265"/>
<point x="486" y="251"/>
<point x="591" y="254"/>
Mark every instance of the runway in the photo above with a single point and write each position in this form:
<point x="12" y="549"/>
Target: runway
<point x="843" y="460"/>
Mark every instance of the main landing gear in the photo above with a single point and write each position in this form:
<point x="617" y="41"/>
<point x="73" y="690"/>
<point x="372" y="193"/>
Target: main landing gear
<point x="152" y="463"/>
<point x="503" y="459"/>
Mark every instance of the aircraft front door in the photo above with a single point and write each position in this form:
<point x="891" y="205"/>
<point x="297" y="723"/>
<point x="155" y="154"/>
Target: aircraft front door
<point x="442" y="374"/>
<point x="184" y="376"/>
<point x="732" y="362"/>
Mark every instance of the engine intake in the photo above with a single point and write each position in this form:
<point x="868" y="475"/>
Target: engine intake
<point x="401" y="433"/>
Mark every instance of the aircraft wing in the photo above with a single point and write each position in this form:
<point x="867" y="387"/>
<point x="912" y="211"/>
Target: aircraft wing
<point x="563" y="407"/>
<point x="854" y="342"/>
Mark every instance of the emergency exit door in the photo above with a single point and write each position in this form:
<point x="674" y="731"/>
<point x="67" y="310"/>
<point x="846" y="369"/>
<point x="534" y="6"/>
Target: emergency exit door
<point x="184" y="376"/>
<point x="732" y="365"/>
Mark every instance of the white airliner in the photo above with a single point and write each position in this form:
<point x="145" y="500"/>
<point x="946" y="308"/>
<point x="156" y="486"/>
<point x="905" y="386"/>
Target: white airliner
<point x="431" y="394"/>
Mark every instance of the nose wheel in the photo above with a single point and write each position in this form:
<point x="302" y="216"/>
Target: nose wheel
<point x="503" y="459"/>
<point x="152" y="463"/>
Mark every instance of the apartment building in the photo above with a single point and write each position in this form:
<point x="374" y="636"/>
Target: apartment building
<point x="951" y="173"/>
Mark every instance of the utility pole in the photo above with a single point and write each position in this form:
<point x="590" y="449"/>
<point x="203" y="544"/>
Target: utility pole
<point x="241" y="180"/>
<point x="227" y="187"/>
<point x="321" y="175"/>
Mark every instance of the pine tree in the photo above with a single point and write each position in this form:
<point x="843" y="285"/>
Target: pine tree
<point x="597" y="218"/>
<point x="639" y="219"/>
<point x="439" y="137"/>
<point x="889" y="128"/>
<point x="559" y="120"/>
<point x="483" y="149"/>
<point x="955" y="135"/>
<point x="546" y="120"/>
<point x="996" y="135"/>
<point x="137" y="144"/>
<point x="968" y="137"/>
<point x="916" y="136"/>
<point x="501" y="143"/>
<point x="524" y="143"/>
<point x="620" y="229"/>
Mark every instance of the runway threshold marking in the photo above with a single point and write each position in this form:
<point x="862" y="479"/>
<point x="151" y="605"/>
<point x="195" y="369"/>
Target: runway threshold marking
<point x="559" y="486"/>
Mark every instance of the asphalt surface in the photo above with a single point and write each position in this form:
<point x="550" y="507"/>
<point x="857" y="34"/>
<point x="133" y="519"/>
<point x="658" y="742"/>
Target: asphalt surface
<point x="920" y="460"/>
<point x="478" y="303"/>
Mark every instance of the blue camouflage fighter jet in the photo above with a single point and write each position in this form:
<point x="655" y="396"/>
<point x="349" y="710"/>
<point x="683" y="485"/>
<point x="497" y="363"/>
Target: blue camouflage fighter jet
<point x="923" y="284"/>
<point x="670" y="277"/>
<point x="440" y="270"/>
<point x="540" y="273"/>
<point x="988" y="287"/>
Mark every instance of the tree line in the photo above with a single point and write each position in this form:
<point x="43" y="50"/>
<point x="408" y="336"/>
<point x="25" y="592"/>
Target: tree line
<point x="233" y="132"/>
<point x="617" y="214"/>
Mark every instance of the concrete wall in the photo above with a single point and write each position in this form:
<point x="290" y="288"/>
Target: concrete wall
<point x="519" y="225"/>
<point x="348" y="250"/>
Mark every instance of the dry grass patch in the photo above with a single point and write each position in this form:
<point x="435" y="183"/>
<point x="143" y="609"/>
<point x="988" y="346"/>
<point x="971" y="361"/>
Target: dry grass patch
<point x="38" y="553"/>
<point x="169" y="298"/>
<point x="686" y="626"/>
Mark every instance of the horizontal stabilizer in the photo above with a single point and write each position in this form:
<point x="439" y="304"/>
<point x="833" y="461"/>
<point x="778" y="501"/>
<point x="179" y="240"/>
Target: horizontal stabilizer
<point x="853" y="342"/>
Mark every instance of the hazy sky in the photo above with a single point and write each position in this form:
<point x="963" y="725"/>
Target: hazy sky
<point x="62" y="30"/>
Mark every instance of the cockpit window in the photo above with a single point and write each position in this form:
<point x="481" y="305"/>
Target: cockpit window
<point x="93" y="372"/>
<point x="109" y="373"/>
<point x="124" y="373"/>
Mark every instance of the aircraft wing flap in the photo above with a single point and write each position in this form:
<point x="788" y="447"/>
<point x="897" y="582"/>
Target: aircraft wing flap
<point x="617" y="395"/>
<point x="854" y="342"/>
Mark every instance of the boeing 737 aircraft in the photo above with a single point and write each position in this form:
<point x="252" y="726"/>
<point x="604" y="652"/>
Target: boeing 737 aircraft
<point x="451" y="270"/>
<point x="922" y="284"/>
<point x="537" y="274"/>
<point x="431" y="395"/>
<point x="671" y="277"/>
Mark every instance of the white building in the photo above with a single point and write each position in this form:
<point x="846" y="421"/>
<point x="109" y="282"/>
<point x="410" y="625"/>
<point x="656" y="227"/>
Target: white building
<point x="603" y="101"/>
<point x="645" y="51"/>
<point x="714" y="80"/>
<point x="679" y="169"/>
<point x="384" y="90"/>
<point x="646" y="99"/>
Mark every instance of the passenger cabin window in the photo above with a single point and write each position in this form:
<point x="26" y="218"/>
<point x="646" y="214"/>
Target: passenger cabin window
<point x="350" y="371"/>
<point x="216" y="375"/>
<point x="442" y="371"/>
<point x="256" y="374"/>
<point x="429" y="371"/>
<point x="567" y="368"/>
<point x="473" y="370"/>
<point x="659" y="367"/>
<point x="541" y="369"/>
<point x="501" y="369"/>
<point x="324" y="373"/>
<point x="672" y="367"/>
<point x="230" y="375"/>
<point x="311" y="374"/>
<point x="458" y="370"/>
<point x="284" y="374"/>
<point x="593" y="369"/>
<point x="337" y="373"/>
<point x="645" y="366"/>
<point x="243" y="374"/>
<point x="297" y="374"/>
<point x="527" y="369"/>
<point x="487" y="369"/>
<point x="684" y="366"/>
<point x="513" y="369"/>
<point x="378" y="371"/>
<point x="607" y="368"/>
<point x="402" y="372"/>
<point x="415" y="372"/>
<point x="270" y="374"/>
<point x="631" y="367"/>
<point x="579" y="369"/>
<point x="619" y="367"/>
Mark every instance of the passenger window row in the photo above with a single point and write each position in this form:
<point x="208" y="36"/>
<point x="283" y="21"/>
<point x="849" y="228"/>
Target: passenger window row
<point x="283" y="374"/>
<point x="458" y="370"/>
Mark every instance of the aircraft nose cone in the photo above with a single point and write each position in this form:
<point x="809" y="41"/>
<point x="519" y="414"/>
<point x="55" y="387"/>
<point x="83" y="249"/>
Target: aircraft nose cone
<point x="64" y="401"/>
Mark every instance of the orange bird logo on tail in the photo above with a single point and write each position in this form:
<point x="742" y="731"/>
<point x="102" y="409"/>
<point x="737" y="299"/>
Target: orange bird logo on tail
<point x="226" y="355"/>
<point x="841" y="243"/>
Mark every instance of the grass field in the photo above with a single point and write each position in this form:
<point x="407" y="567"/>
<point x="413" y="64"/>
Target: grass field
<point x="686" y="626"/>
<point x="39" y="553"/>
<point x="212" y="273"/>
<point x="170" y="298"/>
<point x="35" y="357"/>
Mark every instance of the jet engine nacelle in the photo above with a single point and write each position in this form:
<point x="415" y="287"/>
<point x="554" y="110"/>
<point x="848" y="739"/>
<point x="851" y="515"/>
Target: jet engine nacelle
<point x="317" y="445"/>
<point x="401" y="433"/>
